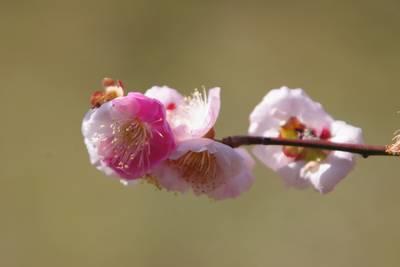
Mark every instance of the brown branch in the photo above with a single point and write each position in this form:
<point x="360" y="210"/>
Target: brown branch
<point x="363" y="150"/>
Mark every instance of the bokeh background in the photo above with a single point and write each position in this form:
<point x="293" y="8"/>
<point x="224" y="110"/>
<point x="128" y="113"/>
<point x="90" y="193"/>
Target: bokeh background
<point x="57" y="210"/>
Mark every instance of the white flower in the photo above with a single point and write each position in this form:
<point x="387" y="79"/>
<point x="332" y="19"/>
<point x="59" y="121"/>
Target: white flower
<point x="292" y="114"/>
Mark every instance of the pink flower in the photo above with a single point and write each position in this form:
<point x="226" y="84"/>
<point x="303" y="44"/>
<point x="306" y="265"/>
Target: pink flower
<point x="199" y="163"/>
<point x="292" y="114"/>
<point x="127" y="136"/>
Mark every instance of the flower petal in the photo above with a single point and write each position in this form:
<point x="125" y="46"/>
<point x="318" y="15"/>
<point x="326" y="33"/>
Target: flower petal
<point x="236" y="182"/>
<point x="271" y="156"/>
<point x="169" y="97"/>
<point x="291" y="175"/>
<point x="210" y="118"/>
<point x="329" y="173"/>
<point x="345" y="133"/>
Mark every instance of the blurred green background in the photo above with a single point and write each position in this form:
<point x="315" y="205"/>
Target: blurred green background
<point x="57" y="210"/>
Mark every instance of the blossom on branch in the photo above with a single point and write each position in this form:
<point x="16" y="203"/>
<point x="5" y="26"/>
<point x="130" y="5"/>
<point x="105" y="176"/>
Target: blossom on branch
<point x="199" y="163"/>
<point x="126" y="136"/>
<point x="190" y="117"/>
<point x="206" y="167"/>
<point x="290" y="113"/>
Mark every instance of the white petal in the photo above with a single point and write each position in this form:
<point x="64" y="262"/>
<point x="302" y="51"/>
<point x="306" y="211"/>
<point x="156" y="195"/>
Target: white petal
<point x="239" y="183"/>
<point x="246" y="156"/>
<point x="291" y="175"/>
<point x="95" y="117"/>
<point x="192" y="117"/>
<point x="235" y="168"/>
<point x="213" y="107"/>
<point x="271" y="156"/>
<point x="197" y="116"/>
<point x="330" y="173"/>
<point x="165" y="95"/>
<point x="345" y="133"/>
<point x="195" y="145"/>
<point x="90" y="131"/>
<point x="170" y="179"/>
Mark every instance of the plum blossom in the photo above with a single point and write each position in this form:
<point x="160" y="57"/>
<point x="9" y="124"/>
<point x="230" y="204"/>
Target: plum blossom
<point x="206" y="167"/>
<point x="126" y="136"/>
<point x="200" y="163"/>
<point x="190" y="117"/>
<point x="290" y="113"/>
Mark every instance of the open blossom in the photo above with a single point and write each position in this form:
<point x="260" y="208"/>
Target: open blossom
<point x="206" y="167"/>
<point x="190" y="117"/>
<point x="292" y="114"/>
<point x="126" y="136"/>
<point x="199" y="163"/>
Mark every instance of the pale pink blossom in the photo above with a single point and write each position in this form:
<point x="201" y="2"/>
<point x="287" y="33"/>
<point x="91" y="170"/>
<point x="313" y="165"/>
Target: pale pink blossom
<point x="206" y="167"/>
<point x="292" y="114"/>
<point x="127" y="136"/>
<point x="199" y="163"/>
<point x="192" y="116"/>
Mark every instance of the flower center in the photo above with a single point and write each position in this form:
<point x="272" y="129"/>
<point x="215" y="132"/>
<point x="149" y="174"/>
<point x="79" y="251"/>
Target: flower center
<point x="293" y="128"/>
<point x="199" y="169"/>
<point x="129" y="146"/>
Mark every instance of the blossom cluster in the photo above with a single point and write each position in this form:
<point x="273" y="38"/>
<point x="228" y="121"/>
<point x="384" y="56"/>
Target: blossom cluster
<point x="168" y="140"/>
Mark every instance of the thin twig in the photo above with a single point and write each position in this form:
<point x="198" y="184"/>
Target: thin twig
<point x="363" y="150"/>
